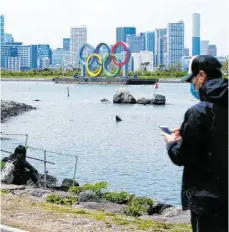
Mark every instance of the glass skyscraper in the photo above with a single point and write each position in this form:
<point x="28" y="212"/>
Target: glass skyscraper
<point x="136" y="43"/>
<point x="66" y="43"/>
<point x="159" y="45"/>
<point x="195" y="34"/>
<point x="175" y="42"/>
<point x="121" y="34"/>
<point x="149" y="38"/>
<point x="2" y="25"/>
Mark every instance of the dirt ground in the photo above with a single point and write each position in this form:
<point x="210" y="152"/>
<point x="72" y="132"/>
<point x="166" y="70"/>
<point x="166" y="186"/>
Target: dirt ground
<point x="38" y="216"/>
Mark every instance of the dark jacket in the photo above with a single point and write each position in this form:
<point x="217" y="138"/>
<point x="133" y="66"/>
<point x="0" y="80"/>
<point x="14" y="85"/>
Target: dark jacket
<point x="203" y="151"/>
<point x="21" y="165"/>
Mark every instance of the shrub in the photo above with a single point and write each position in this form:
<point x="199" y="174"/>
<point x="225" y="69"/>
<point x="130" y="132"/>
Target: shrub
<point x="138" y="206"/>
<point x="135" y="209"/>
<point x="120" y="198"/>
<point x="61" y="200"/>
<point x="96" y="188"/>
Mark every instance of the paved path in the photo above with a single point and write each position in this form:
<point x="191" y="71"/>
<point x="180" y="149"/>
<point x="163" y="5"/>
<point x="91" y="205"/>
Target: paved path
<point x="10" y="229"/>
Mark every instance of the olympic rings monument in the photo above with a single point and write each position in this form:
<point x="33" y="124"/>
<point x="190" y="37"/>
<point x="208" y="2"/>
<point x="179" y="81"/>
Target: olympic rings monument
<point x="95" y="58"/>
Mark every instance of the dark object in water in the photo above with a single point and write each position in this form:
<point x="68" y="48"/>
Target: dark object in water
<point x="105" y="100"/>
<point x="37" y="100"/>
<point x="143" y="81"/>
<point x="118" y="119"/>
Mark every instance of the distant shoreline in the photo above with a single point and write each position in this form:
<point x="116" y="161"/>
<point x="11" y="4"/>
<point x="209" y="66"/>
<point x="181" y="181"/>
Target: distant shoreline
<point x="106" y="81"/>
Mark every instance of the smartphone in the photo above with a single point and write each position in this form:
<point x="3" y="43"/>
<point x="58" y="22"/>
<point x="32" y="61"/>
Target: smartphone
<point x="165" y="129"/>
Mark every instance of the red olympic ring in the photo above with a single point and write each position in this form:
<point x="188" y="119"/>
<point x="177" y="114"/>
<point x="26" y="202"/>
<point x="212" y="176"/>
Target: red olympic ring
<point x="126" y="53"/>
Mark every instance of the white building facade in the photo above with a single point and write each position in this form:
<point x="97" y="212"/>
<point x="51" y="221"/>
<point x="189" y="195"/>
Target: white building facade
<point x="139" y="59"/>
<point x="78" y="38"/>
<point x="204" y="47"/>
<point x="175" y="43"/>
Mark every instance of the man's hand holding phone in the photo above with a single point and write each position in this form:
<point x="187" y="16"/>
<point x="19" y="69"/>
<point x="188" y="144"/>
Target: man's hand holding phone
<point x="170" y="135"/>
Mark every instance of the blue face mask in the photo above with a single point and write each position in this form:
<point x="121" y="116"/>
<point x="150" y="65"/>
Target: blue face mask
<point x="194" y="92"/>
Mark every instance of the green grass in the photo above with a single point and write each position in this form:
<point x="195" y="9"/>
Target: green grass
<point x="109" y="218"/>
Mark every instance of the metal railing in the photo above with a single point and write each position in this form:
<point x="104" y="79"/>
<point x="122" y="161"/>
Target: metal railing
<point x="44" y="160"/>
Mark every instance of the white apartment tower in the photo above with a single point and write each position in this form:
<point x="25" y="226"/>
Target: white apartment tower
<point x="78" y="38"/>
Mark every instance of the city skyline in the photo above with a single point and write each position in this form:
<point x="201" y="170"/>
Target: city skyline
<point x="102" y="27"/>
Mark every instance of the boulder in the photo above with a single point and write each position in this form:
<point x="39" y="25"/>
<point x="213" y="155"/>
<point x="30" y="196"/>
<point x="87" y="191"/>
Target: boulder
<point x="158" y="208"/>
<point x="88" y="196"/>
<point x="105" y="100"/>
<point x="171" y="215"/>
<point x="158" y="99"/>
<point x="67" y="184"/>
<point x="144" y="101"/>
<point x="123" y="96"/>
<point x="118" y="119"/>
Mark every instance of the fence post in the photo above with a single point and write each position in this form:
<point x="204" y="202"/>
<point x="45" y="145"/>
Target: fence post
<point x="45" y="172"/>
<point x="26" y="141"/>
<point x="74" y="176"/>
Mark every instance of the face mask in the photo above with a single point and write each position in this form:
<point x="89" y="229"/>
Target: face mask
<point x="194" y="92"/>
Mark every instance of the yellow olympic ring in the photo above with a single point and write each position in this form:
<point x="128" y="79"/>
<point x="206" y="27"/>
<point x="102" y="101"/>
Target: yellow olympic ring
<point x="100" y="69"/>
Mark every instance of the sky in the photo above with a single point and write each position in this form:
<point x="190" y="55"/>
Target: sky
<point x="48" y="21"/>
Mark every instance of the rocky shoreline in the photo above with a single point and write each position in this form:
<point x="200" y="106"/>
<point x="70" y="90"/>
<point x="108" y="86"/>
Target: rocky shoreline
<point x="160" y="212"/>
<point x="10" y="109"/>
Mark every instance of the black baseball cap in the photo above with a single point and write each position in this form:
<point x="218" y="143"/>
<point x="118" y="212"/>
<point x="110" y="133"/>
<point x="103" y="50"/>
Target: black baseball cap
<point x="209" y="64"/>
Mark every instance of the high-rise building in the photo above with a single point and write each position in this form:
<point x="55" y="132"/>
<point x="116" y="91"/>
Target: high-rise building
<point x="149" y="40"/>
<point x="14" y="64"/>
<point x="204" y="47"/>
<point x="60" y="56"/>
<point x="2" y="31"/>
<point x="164" y="48"/>
<point x="175" y="42"/>
<point x="121" y="35"/>
<point x="78" y="38"/>
<point x="212" y="50"/>
<point x="136" y="43"/>
<point x="66" y="43"/>
<point x="159" y="53"/>
<point x="8" y="38"/>
<point x="24" y="56"/>
<point x="44" y="51"/>
<point x="195" y="34"/>
<point x="186" y="51"/>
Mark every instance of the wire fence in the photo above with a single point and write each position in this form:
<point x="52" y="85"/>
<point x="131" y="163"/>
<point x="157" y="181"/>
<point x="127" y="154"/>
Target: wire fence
<point x="48" y="163"/>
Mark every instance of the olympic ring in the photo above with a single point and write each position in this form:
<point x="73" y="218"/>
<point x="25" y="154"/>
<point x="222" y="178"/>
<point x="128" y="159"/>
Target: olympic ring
<point x="82" y="61"/>
<point x="106" y="61"/>
<point x="127" y="53"/>
<point x="100" y="69"/>
<point x="103" y="62"/>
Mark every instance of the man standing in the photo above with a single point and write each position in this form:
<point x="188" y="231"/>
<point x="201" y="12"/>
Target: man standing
<point x="201" y="146"/>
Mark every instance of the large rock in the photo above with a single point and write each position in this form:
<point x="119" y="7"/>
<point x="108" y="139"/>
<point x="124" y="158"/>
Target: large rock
<point x="144" y="101"/>
<point x="67" y="184"/>
<point x="124" y="96"/>
<point x="158" y="99"/>
<point x="158" y="208"/>
<point x="171" y="215"/>
<point x="88" y="196"/>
